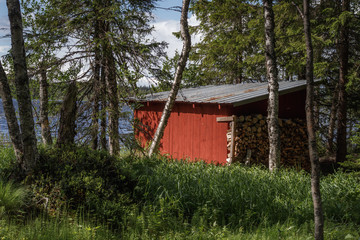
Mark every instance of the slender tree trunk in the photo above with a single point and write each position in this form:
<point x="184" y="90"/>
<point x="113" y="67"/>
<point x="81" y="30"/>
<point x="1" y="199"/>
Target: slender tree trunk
<point x="184" y="30"/>
<point x="96" y="87"/>
<point x="272" y="76"/>
<point x="95" y="116"/>
<point x="22" y="87"/>
<point x="316" y="110"/>
<point x="342" y="109"/>
<point x="239" y="78"/>
<point x="114" y="145"/>
<point x="103" y="123"/>
<point x="332" y="121"/>
<point x="44" y="112"/>
<point x="14" y="130"/>
<point x="111" y="86"/>
<point x="67" y="126"/>
<point x="313" y="154"/>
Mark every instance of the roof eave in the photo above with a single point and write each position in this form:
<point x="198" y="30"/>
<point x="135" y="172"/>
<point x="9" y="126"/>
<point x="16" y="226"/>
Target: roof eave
<point x="265" y="96"/>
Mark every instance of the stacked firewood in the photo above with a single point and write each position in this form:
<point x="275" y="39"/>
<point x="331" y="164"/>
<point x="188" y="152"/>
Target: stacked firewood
<point x="252" y="143"/>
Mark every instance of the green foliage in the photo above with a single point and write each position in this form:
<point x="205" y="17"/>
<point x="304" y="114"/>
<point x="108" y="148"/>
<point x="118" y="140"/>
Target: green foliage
<point x="73" y="177"/>
<point x="181" y="200"/>
<point x="57" y="228"/>
<point x="353" y="159"/>
<point x="340" y="192"/>
<point x="7" y="161"/>
<point x="231" y="49"/>
<point x="7" y="157"/>
<point x="12" y="198"/>
<point x="88" y="194"/>
<point x="231" y="196"/>
<point x="234" y="196"/>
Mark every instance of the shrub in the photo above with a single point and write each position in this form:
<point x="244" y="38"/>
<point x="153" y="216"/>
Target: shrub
<point x="78" y="177"/>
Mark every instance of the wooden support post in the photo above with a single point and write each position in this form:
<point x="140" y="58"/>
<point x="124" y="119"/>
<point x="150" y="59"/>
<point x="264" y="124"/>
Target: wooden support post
<point x="233" y="136"/>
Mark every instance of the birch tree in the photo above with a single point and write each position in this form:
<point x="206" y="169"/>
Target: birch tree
<point x="185" y="35"/>
<point x="30" y="154"/>
<point x="273" y="88"/>
<point x="13" y="126"/>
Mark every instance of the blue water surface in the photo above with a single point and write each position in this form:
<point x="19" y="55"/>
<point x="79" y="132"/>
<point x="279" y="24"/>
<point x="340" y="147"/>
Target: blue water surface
<point x="125" y="126"/>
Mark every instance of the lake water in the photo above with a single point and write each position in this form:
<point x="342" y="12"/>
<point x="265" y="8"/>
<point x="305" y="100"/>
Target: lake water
<point x="125" y="127"/>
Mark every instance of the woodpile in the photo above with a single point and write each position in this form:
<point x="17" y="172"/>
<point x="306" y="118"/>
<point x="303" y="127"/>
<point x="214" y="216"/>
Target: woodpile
<point x="252" y="143"/>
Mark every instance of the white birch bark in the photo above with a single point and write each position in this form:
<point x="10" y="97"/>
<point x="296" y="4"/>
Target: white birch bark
<point x="22" y="87"/>
<point x="11" y="119"/>
<point x="184" y="30"/>
<point x="273" y="88"/>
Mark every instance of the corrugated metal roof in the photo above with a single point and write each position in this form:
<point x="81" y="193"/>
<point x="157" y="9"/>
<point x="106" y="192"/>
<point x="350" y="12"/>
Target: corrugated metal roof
<point x="236" y="94"/>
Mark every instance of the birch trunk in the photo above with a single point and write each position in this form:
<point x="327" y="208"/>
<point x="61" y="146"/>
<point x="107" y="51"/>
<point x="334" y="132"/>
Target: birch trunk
<point x="273" y="88"/>
<point x="313" y="154"/>
<point x="44" y="109"/>
<point x="22" y="87"/>
<point x="14" y="130"/>
<point x="342" y="109"/>
<point x="184" y="30"/>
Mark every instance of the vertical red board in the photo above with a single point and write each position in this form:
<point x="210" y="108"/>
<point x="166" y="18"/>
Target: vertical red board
<point x="196" y="121"/>
<point x="210" y="134"/>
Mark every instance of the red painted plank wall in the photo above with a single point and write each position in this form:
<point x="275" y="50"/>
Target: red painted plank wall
<point x="192" y="131"/>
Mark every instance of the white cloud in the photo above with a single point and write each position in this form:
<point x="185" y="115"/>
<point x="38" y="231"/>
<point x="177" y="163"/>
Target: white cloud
<point x="4" y="22"/>
<point x="164" y="32"/>
<point x="147" y="82"/>
<point x="4" y="49"/>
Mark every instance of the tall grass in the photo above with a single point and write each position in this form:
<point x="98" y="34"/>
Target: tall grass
<point x="158" y="198"/>
<point x="59" y="228"/>
<point x="240" y="197"/>
<point x="12" y="198"/>
<point x="7" y="160"/>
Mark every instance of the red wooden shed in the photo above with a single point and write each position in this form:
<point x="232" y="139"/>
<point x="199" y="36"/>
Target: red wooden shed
<point x="193" y="131"/>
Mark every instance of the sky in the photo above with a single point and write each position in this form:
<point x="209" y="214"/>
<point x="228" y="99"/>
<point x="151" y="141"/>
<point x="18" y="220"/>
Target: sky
<point x="4" y="24"/>
<point x="165" y="23"/>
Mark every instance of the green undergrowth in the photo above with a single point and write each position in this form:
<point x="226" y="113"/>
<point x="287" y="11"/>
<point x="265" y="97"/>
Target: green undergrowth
<point x="55" y="228"/>
<point x="71" y="178"/>
<point x="78" y="193"/>
<point x="237" y="196"/>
